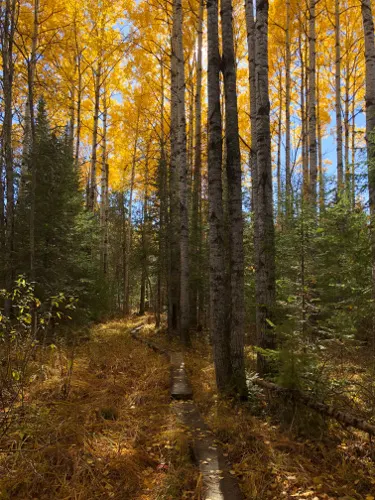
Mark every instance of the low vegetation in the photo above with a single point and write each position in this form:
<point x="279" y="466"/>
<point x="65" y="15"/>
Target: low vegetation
<point x="110" y="434"/>
<point x="280" y="450"/>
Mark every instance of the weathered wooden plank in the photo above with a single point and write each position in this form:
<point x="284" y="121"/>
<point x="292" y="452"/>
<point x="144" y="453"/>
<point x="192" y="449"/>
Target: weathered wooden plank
<point x="180" y="385"/>
<point x="218" y="482"/>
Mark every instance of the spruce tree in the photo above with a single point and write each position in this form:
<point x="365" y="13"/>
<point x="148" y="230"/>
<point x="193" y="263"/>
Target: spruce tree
<point x="57" y="204"/>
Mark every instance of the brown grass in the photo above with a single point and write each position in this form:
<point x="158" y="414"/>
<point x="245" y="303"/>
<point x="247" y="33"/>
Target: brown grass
<point x="113" y="435"/>
<point x="270" y="461"/>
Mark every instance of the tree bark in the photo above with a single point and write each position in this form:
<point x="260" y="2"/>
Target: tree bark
<point x="250" y="30"/>
<point x="305" y="157"/>
<point x="340" y="167"/>
<point x="233" y="169"/>
<point x="129" y="225"/>
<point x="2" y="219"/>
<point x="190" y="135"/>
<point x="31" y="69"/>
<point x="78" y="57"/>
<point x="279" y="140"/>
<point x="288" y="180"/>
<point x="312" y="106"/>
<point x="144" y="272"/>
<point x="265" y="258"/>
<point x="8" y="30"/>
<point x="218" y="317"/>
<point x="123" y="283"/>
<point x="196" y="235"/>
<point x="353" y="183"/>
<point x="163" y="205"/>
<point x="320" y="149"/>
<point x="368" y="28"/>
<point x="104" y="202"/>
<point x="327" y="410"/>
<point x="94" y="151"/>
<point x="183" y="188"/>
<point x="346" y="134"/>
<point x="174" y="198"/>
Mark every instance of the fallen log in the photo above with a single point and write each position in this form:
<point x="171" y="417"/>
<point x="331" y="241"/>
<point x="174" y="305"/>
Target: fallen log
<point x="344" y="418"/>
<point x="149" y="343"/>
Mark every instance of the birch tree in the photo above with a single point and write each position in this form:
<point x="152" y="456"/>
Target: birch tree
<point x="233" y="170"/>
<point x="340" y="166"/>
<point x="183" y="188"/>
<point x="312" y="105"/>
<point x="288" y="180"/>
<point x="218" y="314"/>
<point x="8" y="26"/>
<point x="174" y="192"/>
<point x="265" y="249"/>
<point x="368" y="28"/>
<point x="196" y="223"/>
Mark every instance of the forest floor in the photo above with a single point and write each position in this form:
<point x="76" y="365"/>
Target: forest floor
<point x="105" y="429"/>
<point x="111" y="434"/>
<point x="280" y="453"/>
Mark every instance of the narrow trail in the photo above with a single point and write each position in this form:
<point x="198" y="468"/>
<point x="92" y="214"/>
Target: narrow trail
<point x="217" y="481"/>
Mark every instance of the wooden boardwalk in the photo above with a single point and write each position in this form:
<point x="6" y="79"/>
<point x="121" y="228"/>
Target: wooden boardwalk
<point x="218" y="482"/>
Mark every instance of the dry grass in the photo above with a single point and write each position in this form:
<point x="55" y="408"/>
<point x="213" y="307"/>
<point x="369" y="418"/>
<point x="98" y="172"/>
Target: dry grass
<point x="273" y="463"/>
<point x="111" y="437"/>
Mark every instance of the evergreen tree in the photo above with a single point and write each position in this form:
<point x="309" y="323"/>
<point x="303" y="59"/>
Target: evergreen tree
<point x="66" y="235"/>
<point x="56" y="206"/>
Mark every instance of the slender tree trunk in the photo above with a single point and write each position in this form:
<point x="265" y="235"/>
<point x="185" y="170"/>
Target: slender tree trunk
<point x="8" y="31"/>
<point x="26" y="152"/>
<point x="340" y="167"/>
<point x="265" y="259"/>
<point x="250" y="30"/>
<point x="218" y="317"/>
<point x="94" y="151"/>
<point x="353" y="183"/>
<point x="320" y="149"/>
<point x="104" y="202"/>
<point x="196" y="234"/>
<point x="279" y="140"/>
<point x="368" y="28"/>
<point x="288" y="180"/>
<point x="163" y="207"/>
<point x="144" y="272"/>
<point x="346" y="133"/>
<point x="233" y="169"/>
<point x="305" y="157"/>
<point x="174" y="229"/>
<point x="79" y="98"/>
<point x="312" y="105"/>
<point x="77" y="91"/>
<point x="30" y="104"/>
<point x="2" y="220"/>
<point x="129" y="225"/>
<point x="79" y="105"/>
<point x="183" y="188"/>
<point x="190" y="138"/>
<point x="123" y="248"/>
